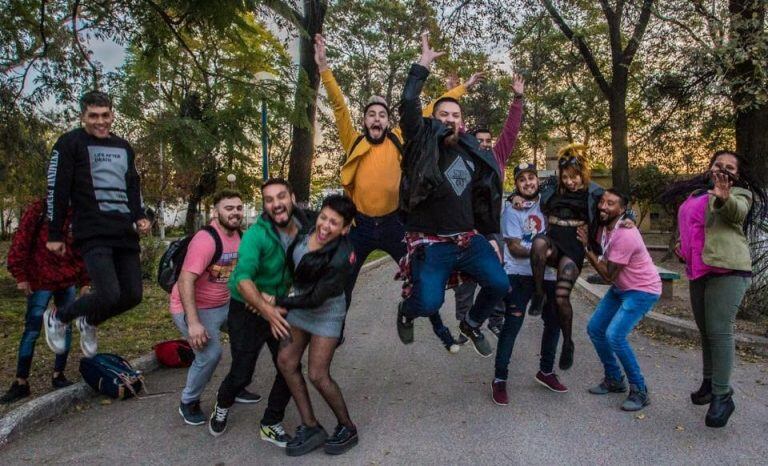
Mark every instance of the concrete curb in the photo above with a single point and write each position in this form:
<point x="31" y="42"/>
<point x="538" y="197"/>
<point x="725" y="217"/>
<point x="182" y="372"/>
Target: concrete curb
<point x="680" y="327"/>
<point x="57" y="402"/>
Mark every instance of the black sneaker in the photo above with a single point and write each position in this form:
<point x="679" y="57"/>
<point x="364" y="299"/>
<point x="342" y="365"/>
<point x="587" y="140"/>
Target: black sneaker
<point x="404" y="325"/>
<point x="191" y="413"/>
<point x="274" y="434"/>
<point x="445" y="336"/>
<point x="15" y="393"/>
<point x="60" y="381"/>
<point x="566" y="355"/>
<point x="479" y="342"/>
<point x="218" y="422"/>
<point x="247" y="397"/>
<point x="537" y="305"/>
<point x="461" y="340"/>
<point x="343" y="439"/>
<point x="306" y="440"/>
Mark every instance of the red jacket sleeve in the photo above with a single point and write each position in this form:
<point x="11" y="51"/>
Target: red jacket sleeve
<point x="19" y="252"/>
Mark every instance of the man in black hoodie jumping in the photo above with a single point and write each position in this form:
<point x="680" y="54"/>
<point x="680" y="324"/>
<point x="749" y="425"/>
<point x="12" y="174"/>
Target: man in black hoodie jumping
<point x="95" y="172"/>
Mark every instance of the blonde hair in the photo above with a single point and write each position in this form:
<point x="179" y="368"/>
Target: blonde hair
<point x="574" y="156"/>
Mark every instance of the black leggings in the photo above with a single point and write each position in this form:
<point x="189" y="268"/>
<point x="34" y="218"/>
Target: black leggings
<point x="116" y="287"/>
<point x="567" y="273"/>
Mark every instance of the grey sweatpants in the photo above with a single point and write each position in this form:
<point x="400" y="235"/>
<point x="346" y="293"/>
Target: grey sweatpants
<point x="206" y="359"/>
<point x="465" y="297"/>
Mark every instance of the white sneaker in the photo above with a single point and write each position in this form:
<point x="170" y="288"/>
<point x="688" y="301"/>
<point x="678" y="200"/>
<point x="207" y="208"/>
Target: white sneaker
<point x="55" y="331"/>
<point x="88" y="342"/>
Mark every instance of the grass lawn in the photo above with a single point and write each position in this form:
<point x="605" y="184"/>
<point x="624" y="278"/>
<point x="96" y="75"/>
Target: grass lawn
<point x="129" y="335"/>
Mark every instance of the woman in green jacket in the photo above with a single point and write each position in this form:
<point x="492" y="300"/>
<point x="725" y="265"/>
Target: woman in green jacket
<point x="719" y="208"/>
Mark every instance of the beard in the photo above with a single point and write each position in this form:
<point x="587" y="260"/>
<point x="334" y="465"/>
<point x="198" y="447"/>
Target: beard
<point x="286" y="222"/>
<point x="373" y="140"/>
<point x="227" y="225"/>
<point x="529" y="197"/>
<point x="452" y="140"/>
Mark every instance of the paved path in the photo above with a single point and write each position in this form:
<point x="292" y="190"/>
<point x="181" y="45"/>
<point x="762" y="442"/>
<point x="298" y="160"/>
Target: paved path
<point x="420" y="404"/>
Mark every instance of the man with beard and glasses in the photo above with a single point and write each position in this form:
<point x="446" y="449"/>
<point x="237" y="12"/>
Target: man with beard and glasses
<point x="450" y="191"/>
<point x="635" y="288"/>
<point x="253" y="320"/>
<point x="371" y="175"/>
<point x="199" y="301"/>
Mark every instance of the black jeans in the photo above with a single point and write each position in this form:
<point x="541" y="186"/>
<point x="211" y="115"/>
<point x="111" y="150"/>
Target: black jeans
<point x="516" y="302"/>
<point x="116" y="287"/>
<point x="371" y="233"/>
<point x="247" y="334"/>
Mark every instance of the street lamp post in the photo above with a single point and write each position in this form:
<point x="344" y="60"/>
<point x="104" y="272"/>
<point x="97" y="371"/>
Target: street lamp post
<point x="264" y="76"/>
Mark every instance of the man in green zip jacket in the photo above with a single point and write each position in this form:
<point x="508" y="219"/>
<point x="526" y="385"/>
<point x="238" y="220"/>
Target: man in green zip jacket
<point x="261" y="268"/>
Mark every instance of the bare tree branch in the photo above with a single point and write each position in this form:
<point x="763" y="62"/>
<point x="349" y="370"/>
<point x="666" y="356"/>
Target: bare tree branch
<point x="581" y="44"/>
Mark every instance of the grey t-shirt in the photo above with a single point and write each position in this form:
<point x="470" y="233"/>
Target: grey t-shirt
<point x="286" y="239"/>
<point x="523" y="225"/>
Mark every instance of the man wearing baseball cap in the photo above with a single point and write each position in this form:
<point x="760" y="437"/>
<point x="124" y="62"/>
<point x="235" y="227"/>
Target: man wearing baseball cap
<point x="519" y="227"/>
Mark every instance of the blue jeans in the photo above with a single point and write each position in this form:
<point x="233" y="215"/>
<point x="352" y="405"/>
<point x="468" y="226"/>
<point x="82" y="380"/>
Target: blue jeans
<point x="37" y="302"/>
<point x="432" y="265"/>
<point x="616" y="316"/>
<point x="207" y="358"/>
<point x="516" y="302"/>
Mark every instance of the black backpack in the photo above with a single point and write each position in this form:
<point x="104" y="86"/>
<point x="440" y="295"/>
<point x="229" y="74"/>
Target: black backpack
<point x="170" y="264"/>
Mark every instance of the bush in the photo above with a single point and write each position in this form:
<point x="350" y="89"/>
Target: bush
<point x="152" y="249"/>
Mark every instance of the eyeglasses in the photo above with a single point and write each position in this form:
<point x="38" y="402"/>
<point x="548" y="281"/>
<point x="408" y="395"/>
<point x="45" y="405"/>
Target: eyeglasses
<point x="569" y="161"/>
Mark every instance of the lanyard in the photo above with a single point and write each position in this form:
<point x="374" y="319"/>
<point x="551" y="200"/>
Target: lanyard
<point x="605" y="239"/>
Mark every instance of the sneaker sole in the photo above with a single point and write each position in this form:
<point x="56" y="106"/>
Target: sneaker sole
<point x="269" y="439"/>
<point x="547" y="385"/>
<point x="214" y="433"/>
<point x="475" y="347"/>
<point x="307" y="448"/>
<point x="454" y="349"/>
<point x="246" y="401"/>
<point x="632" y="410"/>
<point x="188" y="422"/>
<point x="340" y="448"/>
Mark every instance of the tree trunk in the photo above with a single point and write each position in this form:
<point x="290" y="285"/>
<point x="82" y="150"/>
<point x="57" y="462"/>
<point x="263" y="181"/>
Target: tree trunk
<point x="752" y="139"/>
<point x="303" y="138"/>
<point x="617" y="107"/>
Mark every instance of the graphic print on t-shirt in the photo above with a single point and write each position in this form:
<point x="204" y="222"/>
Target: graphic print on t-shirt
<point x="533" y="226"/>
<point x="458" y="175"/>
<point x="221" y="270"/>
<point x="108" y="168"/>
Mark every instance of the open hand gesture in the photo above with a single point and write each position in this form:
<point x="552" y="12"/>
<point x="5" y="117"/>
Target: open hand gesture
<point x="428" y="55"/>
<point x="518" y="84"/>
<point x="723" y="183"/>
<point x="474" y="80"/>
<point x="320" y="57"/>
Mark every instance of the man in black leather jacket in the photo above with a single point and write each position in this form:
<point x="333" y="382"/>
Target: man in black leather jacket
<point x="450" y="191"/>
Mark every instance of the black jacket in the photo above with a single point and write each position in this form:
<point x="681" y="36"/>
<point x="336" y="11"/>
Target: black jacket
<point x="320" y="275"/>
<point x="421" y="171"/>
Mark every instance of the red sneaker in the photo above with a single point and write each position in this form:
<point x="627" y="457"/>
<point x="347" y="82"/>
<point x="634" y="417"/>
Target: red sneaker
<point x="499" y="393"/>
<point x="551" y="382"/>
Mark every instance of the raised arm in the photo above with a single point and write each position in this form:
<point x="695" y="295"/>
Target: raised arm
<point x="344" y="123"/>
<point x="410" y="106"/>
<point x="455" y="92"/>
<point x="507" y="140"/>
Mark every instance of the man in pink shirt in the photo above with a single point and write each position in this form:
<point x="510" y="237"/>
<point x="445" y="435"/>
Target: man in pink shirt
<point x="200" y="299"/>
<point x="635" y="288"/>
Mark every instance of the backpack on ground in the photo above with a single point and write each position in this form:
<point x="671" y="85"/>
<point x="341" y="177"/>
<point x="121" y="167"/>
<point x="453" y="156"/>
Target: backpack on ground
<point x="173" y="258"/>
<point x="174" y="353"/>
<point x="111" y="375"/>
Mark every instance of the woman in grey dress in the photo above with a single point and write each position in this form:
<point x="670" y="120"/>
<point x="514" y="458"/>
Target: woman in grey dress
<point x="322" y="263"/>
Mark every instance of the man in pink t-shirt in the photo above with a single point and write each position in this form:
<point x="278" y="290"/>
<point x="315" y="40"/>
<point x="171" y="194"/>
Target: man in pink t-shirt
<point x="635" y="288"/>
<point x="200" y="299"/>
